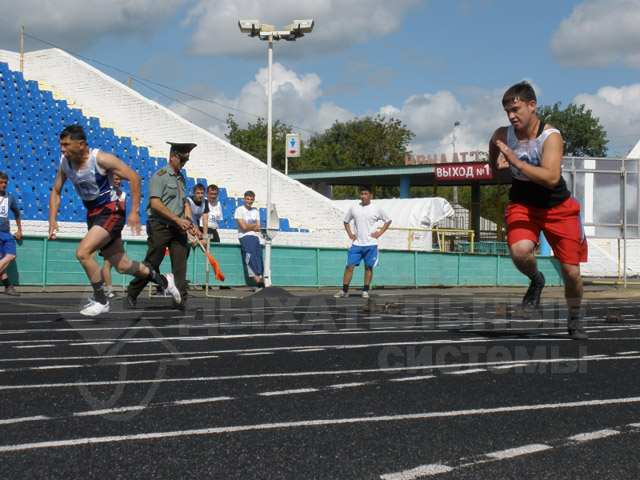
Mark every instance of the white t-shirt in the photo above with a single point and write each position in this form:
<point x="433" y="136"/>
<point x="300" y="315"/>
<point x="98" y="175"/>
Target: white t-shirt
<point x="364" y="219"/>
<point x="249" y="217"/>
<point x="215" y="215"/>
<point x="198" y="210"/>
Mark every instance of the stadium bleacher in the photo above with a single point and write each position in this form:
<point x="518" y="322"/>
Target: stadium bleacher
<point x="30" y="121"/>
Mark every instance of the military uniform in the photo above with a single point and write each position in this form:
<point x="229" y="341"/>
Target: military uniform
<point x="163" y="233"/>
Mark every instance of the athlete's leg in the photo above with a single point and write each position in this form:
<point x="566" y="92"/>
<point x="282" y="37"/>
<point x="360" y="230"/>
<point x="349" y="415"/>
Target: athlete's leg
<point x="368" y="276"/>
<point x="522" y="255"/>
<point x="96" y="238"/>
<point x="572" y="286"/>
<point x="348" y="274"/>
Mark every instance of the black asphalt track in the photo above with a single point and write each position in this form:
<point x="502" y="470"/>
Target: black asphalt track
<point x="294" y="384"/>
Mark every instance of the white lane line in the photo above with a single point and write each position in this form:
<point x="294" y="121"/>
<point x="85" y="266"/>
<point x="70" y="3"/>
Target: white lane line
<point x="507" y="367"/>
<point x="585" y="437"/>
<point x="466" y="372"/>
<point x="10" y="421"/>
<point x="348" y="385"/>
<point x="53" y="367"/>
<point x="305" y="350"/>
<point x="412" y="379"/>
<point x="436" y="469"/>
<point x="311" y="423"/>
<point x="195" y="401"/>
<point x="107" y="411"/>
<point x="516" y="452"/>
<point x="632" y="352"/>
<point x="415" y="473"/>
<point x="288" y="392"/>
<point x="44" y="345"/>
<point x="254" y="354"/>
<point x="374" y="371"/>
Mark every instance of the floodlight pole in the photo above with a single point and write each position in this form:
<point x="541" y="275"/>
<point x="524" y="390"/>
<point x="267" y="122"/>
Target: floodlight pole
<point x="255" y="29"/>
<point x="267" y="246"/>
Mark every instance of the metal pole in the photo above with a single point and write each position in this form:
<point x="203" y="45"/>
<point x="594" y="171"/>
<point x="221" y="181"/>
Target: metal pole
<point x="624" y="221"/>
<point x="267" y="250"/>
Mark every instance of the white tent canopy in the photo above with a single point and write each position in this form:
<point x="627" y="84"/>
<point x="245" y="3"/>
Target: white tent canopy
<point x="410" y="212"/>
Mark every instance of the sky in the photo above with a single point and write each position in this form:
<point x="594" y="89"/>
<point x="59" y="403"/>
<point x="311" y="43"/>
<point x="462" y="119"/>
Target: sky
<point x="428" y="63"/>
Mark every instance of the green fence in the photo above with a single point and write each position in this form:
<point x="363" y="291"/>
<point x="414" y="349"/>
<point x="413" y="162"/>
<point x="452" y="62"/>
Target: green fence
<point x="45" y="263"/>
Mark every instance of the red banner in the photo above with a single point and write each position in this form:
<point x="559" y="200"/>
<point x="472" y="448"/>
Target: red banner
<point x="463" y="171"/>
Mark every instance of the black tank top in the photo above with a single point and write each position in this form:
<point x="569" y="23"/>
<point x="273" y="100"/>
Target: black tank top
<point x="530" y="193"/>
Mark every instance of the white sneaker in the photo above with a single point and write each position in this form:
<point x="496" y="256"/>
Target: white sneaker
<point x="341" y="294"/>
<point x="171" y="288"/>
<point x="93" y="308"/>
<point x="365" y="294"/>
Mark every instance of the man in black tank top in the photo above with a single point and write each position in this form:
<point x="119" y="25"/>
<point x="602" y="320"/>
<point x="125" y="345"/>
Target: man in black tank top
<point x="540" y="201"/>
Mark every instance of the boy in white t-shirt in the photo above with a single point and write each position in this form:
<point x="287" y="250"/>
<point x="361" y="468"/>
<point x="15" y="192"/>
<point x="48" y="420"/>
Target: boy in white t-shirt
<point x="365" y="215"/>
<point x="248" y="221"/>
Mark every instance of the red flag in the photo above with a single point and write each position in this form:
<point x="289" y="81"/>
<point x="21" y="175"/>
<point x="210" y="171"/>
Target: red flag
<point x="214" y="263"/>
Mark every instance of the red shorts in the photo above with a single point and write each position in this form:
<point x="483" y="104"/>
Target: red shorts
<point x="562" y="227"/>
<point x="111" y="217"/>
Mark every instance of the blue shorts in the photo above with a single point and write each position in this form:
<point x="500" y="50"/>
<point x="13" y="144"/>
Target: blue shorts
<point x="7" y="244"/>
<point x="251" y="255"/>
<point x="368" y="254"/>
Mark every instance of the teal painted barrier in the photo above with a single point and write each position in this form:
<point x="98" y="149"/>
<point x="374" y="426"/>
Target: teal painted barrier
<point x="44" y="263"/>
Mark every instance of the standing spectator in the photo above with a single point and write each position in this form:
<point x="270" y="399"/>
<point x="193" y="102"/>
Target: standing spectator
<point x="248" y="222"/>
<point x="199" y="208"/>
<point x="106" y="265"/>
<point x="169" y="222"/>
<point x="214" y="217"/>
<point x="7" y="242"/>
<point x="90" y="172"/>
<point x="540" y="201"/>
<point x="365" y="215"/>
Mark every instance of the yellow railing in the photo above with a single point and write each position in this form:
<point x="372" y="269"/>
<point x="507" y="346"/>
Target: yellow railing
<point x="440" y="232"/>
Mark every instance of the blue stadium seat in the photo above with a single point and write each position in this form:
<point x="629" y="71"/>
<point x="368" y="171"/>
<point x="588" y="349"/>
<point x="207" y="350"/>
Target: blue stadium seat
<point x="231" y="222"/>
<point x="190" y="184"/>
<point x="284" y="225"/>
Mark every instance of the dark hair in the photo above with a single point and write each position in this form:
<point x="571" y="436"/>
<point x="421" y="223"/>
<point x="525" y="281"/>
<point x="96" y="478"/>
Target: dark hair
<point x="4" y="176"/>
<point x="198" y="186"/>
<point x="520" y="91"/>
<point x="212" y="187"/>
<point x="366" y="188"/>
<point x="249" y="193"/>
<point x="74" y="132"/>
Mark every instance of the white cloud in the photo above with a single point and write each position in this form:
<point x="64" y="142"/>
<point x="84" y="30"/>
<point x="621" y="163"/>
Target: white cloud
<point x="339" y="24"/>
<point x="599" y="33"/>
<point x="431" y="118"/>
<point x="294" y="103"/>
<point x="75" y="24"/>
<point x="619" y="112"/>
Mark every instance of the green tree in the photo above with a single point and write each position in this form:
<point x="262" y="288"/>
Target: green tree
<point x="582" y="133"/>
<point x="253" y="139"/>
<point x="359" y="143"/>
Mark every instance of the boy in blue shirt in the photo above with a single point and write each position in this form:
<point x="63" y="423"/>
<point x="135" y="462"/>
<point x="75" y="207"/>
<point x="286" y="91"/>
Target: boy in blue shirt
<point x="7" y="242"/>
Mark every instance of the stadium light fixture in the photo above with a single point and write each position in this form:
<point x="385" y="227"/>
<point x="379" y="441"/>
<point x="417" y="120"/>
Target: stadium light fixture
<point x="298" y="29"/>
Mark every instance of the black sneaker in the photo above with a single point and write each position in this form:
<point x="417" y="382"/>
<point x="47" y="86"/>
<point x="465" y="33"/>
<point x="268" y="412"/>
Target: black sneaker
<point x="11" y="290"/>
<point x="575" y="326"/>
<point x="531" y="300"/>
<point x="130" y="302"/>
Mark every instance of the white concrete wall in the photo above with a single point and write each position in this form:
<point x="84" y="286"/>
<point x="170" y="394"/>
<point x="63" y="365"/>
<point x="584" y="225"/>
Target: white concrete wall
<point x="150" y="124"/>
